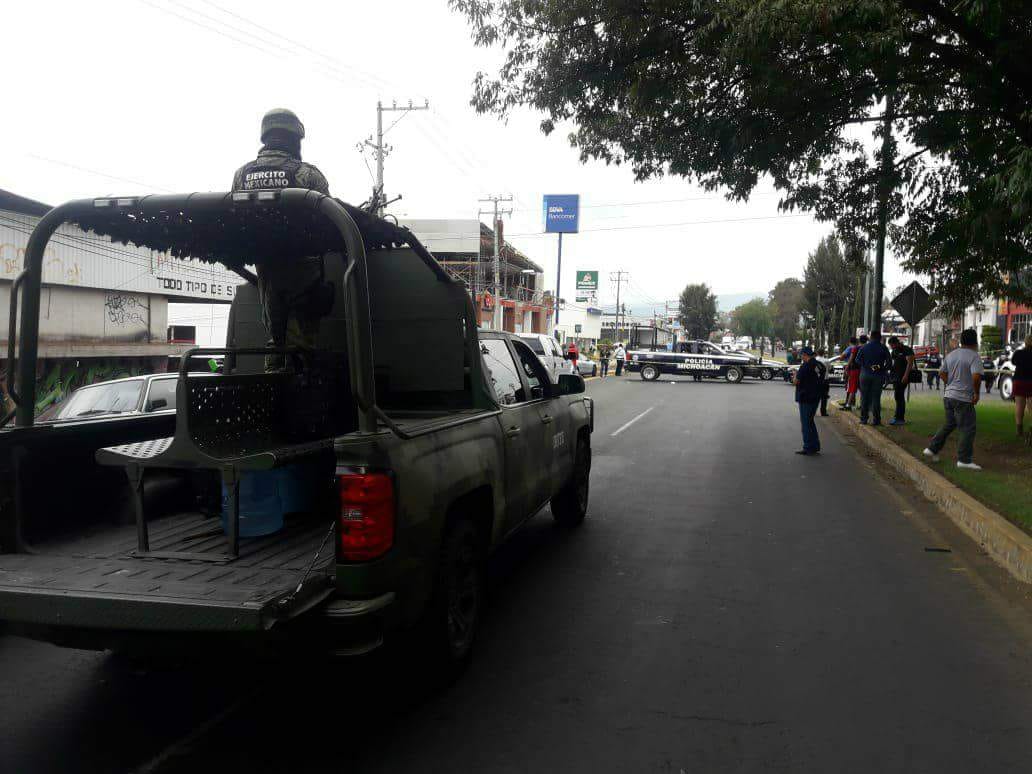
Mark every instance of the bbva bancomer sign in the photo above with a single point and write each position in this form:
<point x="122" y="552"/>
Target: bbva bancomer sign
<point x="562" y="213"/>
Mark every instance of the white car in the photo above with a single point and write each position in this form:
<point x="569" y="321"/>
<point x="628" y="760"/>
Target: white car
<point x="147" y="394"/>
<point x="548" y="352"/>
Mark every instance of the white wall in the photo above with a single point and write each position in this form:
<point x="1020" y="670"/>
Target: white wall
<point x="91" y="317"/>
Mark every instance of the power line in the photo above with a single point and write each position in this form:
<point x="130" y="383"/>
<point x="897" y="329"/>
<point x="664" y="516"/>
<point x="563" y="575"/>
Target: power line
<point x="656" y="201"/>
<point x="652" y="225"/>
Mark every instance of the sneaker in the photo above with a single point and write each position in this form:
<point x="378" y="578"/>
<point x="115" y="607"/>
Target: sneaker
<point x="897" y="421"/>
<point x="875" y="424"/>
<point x="863" y="421"/>
<point x="929" y="453"/>
<point x="968" y="466"/>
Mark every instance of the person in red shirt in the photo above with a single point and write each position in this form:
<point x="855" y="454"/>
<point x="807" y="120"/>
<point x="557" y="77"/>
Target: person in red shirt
<point x="852" y="373"/>
<point x="572" y="354"/>
<point x="1022" y="360"/>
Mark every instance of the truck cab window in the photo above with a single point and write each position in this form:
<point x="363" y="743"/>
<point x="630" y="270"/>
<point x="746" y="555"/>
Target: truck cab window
<point x="535" y="373"/>
<point x="504" y="376"/>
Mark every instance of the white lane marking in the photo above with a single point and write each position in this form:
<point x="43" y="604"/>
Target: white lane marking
<point x="620" y="430"/>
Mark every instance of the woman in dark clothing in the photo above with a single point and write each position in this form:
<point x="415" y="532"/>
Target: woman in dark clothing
<point x="1022" y="361"/>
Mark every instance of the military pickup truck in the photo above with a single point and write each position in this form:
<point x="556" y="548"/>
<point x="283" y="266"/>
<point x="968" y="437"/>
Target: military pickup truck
<point x="422" y="445"/>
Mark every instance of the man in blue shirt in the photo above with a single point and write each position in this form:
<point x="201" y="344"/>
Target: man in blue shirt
<point x="807" y="383"/>
<point x="874" y="361"/>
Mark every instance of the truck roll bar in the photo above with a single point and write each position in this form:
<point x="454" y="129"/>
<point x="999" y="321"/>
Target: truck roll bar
<point x="165" y="222"/>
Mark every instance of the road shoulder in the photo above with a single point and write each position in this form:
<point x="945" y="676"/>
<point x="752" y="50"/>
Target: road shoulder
<point x="1005" y="543"/>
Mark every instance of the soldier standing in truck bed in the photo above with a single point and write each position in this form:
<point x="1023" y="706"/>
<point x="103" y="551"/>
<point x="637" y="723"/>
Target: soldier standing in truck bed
<point x="293" y="294"/>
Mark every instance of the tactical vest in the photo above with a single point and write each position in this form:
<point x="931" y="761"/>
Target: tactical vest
<point x="269" y="174"/>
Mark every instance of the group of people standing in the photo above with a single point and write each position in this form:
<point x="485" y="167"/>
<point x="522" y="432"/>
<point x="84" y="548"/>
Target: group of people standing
<point x="870" y="365"/>
<point x="619" y="353"/>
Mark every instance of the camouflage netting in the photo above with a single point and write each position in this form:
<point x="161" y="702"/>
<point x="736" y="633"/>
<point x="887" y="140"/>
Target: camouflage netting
<point x="235" y="236"/>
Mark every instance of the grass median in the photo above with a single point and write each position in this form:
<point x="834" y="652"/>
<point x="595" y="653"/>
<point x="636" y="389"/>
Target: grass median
<point x="1005" y="481"/>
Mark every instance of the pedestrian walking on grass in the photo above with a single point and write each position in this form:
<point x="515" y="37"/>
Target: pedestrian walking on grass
<point x="902" y="367"/>
<point x="620" y="354"/>
<point x="1022" y="381"/>
<point x="962" y="372"/>
<point x="808" y="396"/>
<point x="874" y="362"/>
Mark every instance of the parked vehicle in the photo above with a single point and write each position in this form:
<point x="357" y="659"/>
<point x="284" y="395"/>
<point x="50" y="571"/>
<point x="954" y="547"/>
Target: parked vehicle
<point x="587" y="367"/>
<point x="383" y="467"/>
<point x="154" y="393"/>
<point x="761" y="368"/>
<point x="550" y="353"/>
<point x="1005" y="375"/>
<point x="693" y="358"/>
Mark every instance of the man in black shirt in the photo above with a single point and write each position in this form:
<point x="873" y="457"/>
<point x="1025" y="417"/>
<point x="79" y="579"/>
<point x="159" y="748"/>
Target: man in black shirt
<point x="902" y="366"/>
<point x="808" y="395"/>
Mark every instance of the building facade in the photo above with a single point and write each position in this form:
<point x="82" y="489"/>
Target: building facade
<point x="466" y="250"/>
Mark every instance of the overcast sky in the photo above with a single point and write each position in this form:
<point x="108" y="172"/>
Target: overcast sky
<point x="131" y="96"/>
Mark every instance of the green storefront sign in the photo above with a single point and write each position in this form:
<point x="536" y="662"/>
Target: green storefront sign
<point x="587" y="281"/>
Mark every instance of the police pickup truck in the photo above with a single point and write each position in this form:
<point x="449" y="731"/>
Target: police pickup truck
<point x="364" y="481"/>
<point x="692" y="358"/>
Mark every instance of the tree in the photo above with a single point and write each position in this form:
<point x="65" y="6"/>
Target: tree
<point x="829" y="284"/>
<point x="785" y="302"/>
<point x="698" y="311"/>
<point x="753" y="319"/>
<point x="726" y="92"/>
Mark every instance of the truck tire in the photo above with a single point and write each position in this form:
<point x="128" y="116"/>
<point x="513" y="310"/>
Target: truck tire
<point x="450" y="623"/>
<point x="734" y="375"/>
<point x="649" y="373"/>
<point x="766" y="374"/>
<point x="1007" y="387"/>
<point x="570" y="506"/>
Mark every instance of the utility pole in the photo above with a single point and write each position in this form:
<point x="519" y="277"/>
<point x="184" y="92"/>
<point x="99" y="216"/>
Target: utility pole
<point x="496" y="227"/>
<point x="380" y="151"/>
<point x="618" y="278"/>
<point x="884" y="191"/>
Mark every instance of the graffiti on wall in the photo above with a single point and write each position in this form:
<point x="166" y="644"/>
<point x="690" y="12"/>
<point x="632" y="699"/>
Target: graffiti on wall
<point x="124" y="310"/>
<point x="57" y="379"/>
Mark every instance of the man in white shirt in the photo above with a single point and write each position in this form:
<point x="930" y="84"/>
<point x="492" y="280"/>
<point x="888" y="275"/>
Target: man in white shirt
<point x="620" y="354"/>
<point x="962" y="373"/>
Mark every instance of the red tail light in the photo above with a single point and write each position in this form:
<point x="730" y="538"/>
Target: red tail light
<point x="365" y="525"/>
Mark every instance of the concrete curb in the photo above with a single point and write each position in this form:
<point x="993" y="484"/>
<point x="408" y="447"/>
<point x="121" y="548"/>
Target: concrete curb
<point x="1005" y="543"/>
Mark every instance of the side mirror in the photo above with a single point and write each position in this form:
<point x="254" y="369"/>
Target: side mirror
<point x="570" y="384"/>
<point x="157" y="404"/>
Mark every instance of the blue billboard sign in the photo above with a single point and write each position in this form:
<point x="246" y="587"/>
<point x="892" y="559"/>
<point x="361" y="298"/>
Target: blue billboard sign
<point x="562" y="213"/>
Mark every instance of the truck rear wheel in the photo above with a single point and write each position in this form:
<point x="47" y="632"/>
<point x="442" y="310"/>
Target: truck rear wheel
<point x="734" y="374"/>
<point x="570" y="506"/>
<point x="453" y="617"/>
<point x="649" y="373"/>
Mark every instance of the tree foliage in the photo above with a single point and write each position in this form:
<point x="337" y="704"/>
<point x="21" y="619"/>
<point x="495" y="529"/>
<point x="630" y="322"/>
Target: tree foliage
<point x="727" y="91"/>
<point x="829" y="290"/>
<point x="698" y="311"/>
<point x="753" y="319"/>
<point x="785" y="302"/>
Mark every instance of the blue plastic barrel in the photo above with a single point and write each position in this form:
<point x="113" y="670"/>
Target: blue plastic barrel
<point x="261" y="508"/>
<point x="267" y="495"/>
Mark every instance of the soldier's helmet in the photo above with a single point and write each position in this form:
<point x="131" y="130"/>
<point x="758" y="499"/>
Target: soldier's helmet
<point x="281" y="118"/>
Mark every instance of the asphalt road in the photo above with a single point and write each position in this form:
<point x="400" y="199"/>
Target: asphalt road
<point x="727" y="606"/>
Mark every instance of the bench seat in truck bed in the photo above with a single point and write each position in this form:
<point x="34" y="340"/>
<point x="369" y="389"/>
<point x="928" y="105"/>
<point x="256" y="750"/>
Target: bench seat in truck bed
<point x="95" y="580"/>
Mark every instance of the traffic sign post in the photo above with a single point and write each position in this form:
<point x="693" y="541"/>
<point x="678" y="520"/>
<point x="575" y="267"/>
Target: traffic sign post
<point x="562" y="216"/>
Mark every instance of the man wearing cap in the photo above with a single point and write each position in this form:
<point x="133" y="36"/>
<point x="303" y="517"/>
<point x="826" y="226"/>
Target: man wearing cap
<point x="808" y="395"/>
<point x="292" y="292"/>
